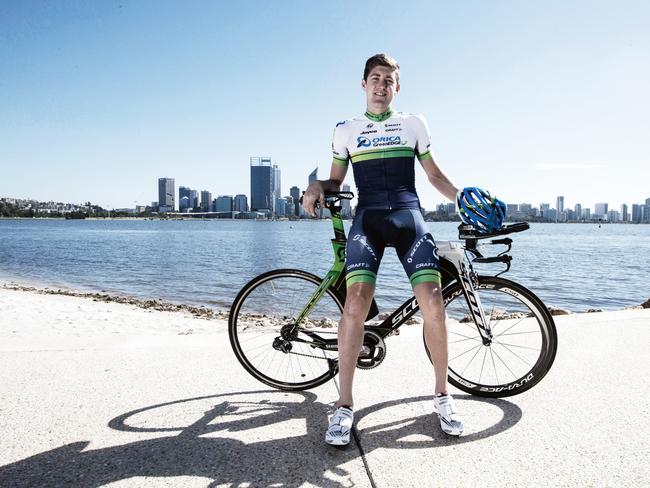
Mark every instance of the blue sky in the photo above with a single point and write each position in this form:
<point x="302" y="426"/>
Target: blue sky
<point x="528" y="99"/>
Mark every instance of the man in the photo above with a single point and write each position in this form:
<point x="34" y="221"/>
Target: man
<point x="382" y="146"/>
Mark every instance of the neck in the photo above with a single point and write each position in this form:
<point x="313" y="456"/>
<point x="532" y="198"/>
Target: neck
<point x="377" y="116"/>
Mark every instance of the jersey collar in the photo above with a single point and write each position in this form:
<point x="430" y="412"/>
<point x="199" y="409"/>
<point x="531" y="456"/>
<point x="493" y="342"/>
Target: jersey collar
<point x="380" y="117"/>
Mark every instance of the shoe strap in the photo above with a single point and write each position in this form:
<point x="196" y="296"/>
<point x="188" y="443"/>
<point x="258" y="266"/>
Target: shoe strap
<point x="344" y="412"/>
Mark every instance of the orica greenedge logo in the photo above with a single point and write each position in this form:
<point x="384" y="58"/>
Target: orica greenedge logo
<point x="380" y="141"/>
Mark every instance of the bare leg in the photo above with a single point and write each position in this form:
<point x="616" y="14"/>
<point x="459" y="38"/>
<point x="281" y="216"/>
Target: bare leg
<point x="350" y="336"/>
<point x="429" y="299"/>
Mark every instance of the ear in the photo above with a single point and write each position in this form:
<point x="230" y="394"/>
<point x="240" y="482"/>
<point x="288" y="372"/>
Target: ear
<point x="397" y="88"/>
<point x="363" y="85"/>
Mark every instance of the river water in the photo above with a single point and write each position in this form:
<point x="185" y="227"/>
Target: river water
<point x="205" y="262"/>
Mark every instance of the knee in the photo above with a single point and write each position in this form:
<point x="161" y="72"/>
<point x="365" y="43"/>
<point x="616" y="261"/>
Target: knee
<point x="357" y="303"/>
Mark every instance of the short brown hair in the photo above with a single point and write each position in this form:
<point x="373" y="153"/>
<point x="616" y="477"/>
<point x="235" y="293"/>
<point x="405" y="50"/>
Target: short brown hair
<point x="381" y="59"/>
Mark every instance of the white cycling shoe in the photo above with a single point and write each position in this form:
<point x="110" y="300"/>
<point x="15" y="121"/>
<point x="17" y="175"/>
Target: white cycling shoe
<point x="340" y="427"/>
<point x="450" y="421"/>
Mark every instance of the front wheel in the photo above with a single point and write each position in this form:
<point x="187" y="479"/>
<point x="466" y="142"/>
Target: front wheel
<point x="267" y="304"/>
<point x="523" y="345"/>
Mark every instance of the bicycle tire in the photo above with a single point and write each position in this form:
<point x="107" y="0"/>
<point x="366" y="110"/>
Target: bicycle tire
<point x="262" y="307"/>
<point x="524" y="313"/>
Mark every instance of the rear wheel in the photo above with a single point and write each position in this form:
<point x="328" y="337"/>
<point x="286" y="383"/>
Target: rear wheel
<point x="523" y="346"/>
<point x="270" y="302"/>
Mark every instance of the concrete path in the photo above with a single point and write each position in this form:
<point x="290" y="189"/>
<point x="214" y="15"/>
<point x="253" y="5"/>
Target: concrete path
<point x="178" y="410"/>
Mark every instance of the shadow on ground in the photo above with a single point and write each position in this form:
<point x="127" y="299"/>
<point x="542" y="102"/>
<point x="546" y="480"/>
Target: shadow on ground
<point x="232" y="438"/>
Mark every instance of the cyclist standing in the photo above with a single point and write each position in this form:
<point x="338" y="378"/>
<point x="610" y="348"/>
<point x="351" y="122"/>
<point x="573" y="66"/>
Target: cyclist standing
<point x="382" y="146"/>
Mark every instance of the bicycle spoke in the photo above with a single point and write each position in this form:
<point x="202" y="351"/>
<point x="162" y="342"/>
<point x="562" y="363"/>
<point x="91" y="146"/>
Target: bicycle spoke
<point x="513" y="325"/>
<point x="504" y="344"/>
<point x="517" y="355"/>
<point x="464" y="340"/>
<point x="470" y="361"/>
<point x="496" y="375"/>
<point x="482" y="365"/>
<point x="519" y="333"/>
<point x="503" y="362"/>
<point x="462" y="354"/>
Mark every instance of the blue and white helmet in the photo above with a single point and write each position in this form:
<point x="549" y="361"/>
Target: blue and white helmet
<point x="481" y="210"/>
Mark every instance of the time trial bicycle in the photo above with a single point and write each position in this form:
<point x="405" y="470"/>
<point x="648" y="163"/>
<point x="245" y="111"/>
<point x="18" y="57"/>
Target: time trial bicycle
<point x="502" y="338"/>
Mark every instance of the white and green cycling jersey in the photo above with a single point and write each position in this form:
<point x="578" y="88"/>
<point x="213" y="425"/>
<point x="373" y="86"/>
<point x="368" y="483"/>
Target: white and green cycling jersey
<point x="382" y="149"/>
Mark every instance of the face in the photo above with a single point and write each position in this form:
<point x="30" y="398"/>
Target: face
<point x="380" y="87"/>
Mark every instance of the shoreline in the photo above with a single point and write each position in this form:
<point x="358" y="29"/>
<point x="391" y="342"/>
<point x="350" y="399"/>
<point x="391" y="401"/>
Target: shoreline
<point x="150" y="304"/>
<point x="208" y="313"/>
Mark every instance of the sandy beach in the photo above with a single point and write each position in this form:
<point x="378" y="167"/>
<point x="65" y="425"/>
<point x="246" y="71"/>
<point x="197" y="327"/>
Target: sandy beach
<point x="100" y="393"/>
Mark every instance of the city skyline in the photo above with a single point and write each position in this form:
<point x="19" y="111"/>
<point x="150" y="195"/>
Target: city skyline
<point x="190" y="202"/>
<point x="99" y="96"/>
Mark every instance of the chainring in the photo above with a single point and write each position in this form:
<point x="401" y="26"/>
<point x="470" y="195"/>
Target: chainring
<point x="374" y="350"/>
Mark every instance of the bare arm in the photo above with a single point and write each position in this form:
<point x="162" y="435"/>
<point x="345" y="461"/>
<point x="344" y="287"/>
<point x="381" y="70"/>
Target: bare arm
<point x="316" y="191"/>
<point x="438" y="179"/>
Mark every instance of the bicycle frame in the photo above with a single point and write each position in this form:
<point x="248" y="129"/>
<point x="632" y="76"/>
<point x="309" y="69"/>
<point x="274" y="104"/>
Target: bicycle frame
<point x="455" y="267"/>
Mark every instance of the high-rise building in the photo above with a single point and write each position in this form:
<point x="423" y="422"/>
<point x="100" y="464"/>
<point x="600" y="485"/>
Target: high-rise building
<point x="544" y="208"/>
<point x="240" y="203"/>
<point x="600" y="210"/>
<point x="578" y="211"/>
<point x="637" y="213"/>
<point x="313" y="176"/>
<point x="289" y="208"/>
<point x="624" y="213"/>
<point x="295" y="194"/>
<point x="346" y="210"/>
<point x="166" y="195"/>
<point x="613" y="216"/>
<point x="525" y="209"/>
<point x="512" y="209"/>
<point x="646" y="213"/>
<point x="280" y="206"/>
<point x="224" y="203"/>
<point x="586" y="213"/>
<point x="194" y="199"/>
<point x="183" y="198"/>
<point x="184" y="204"/>
<point x="206" y="200"/>
<point x="560" y="216"/>
<point x="277" y="185"/>
<point x="261" y="184"/>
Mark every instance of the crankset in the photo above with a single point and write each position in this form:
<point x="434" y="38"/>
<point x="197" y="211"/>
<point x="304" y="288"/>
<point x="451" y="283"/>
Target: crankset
<point x="374" y="350"/>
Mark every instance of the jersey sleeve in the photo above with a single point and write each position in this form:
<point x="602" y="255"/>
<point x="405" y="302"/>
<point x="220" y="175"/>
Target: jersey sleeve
<point x="422" y="137"/>
<point x="341" y="156"/>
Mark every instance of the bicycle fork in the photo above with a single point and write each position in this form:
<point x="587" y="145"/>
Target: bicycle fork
<point x="469" y="284"/>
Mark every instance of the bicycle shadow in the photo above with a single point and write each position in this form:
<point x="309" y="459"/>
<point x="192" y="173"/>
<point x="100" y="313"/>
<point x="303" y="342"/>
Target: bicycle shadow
<point x="242" y="437"/>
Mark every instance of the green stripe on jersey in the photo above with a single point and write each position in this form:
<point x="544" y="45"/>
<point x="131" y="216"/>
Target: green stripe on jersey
<point x="339" y="161"/>
<point x="426" y="155"/>
<point x="394" y="152"/>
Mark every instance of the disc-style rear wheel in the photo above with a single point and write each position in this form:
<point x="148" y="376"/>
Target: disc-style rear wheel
<point x="523" y="345"/>
<point x="271" y="302"/>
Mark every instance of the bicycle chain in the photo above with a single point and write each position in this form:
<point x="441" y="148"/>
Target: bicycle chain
<point x="311" y="355"/>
